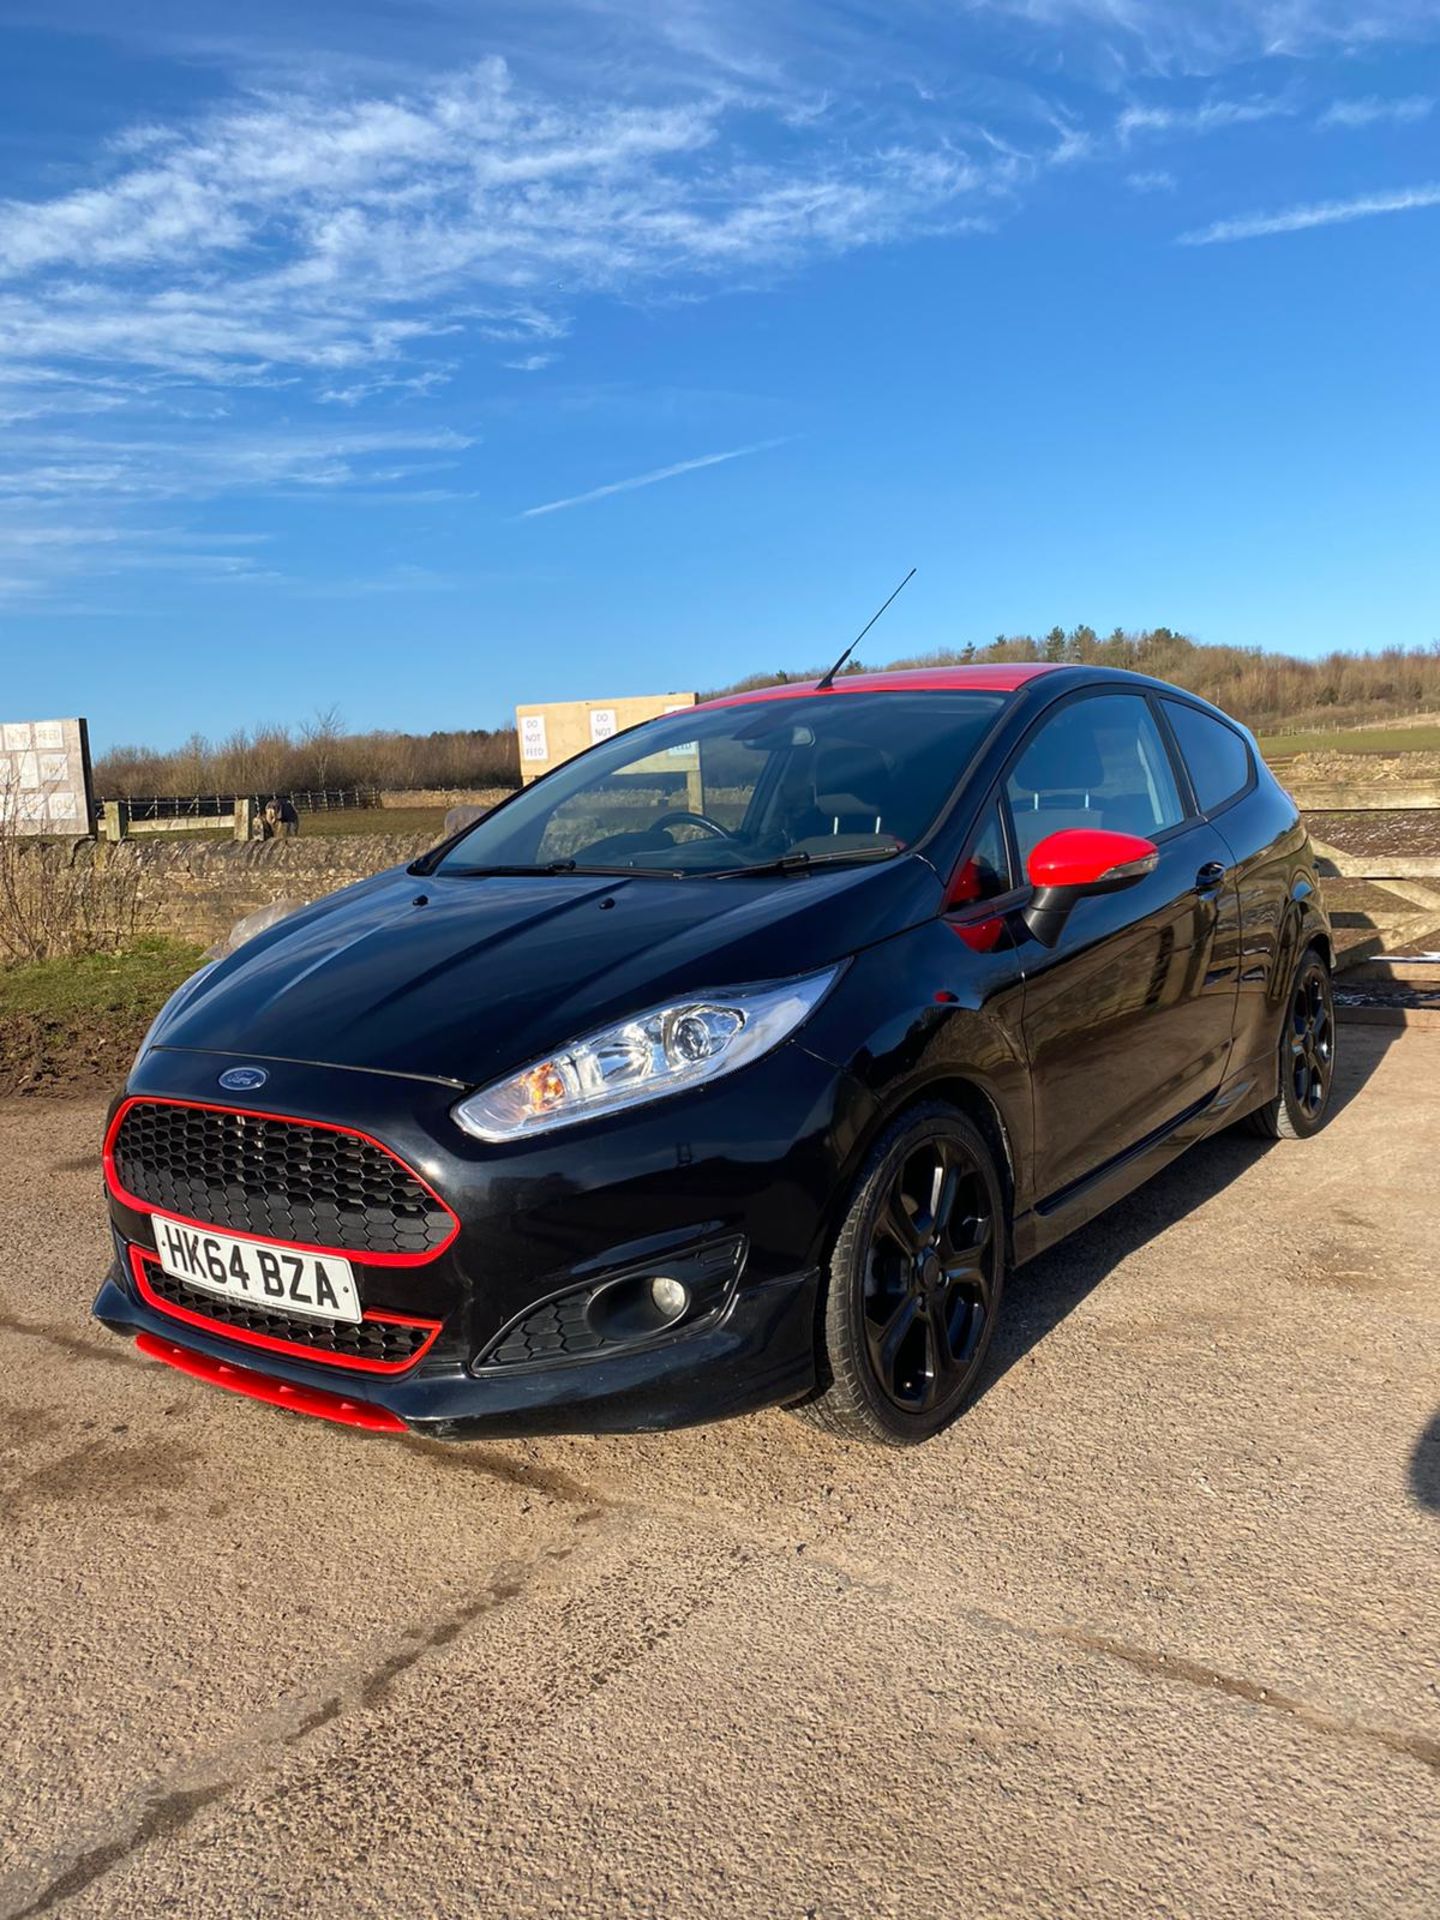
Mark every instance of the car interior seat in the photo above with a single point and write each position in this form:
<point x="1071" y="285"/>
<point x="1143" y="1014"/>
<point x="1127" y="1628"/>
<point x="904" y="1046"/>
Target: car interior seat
<point x="854" y="789"/>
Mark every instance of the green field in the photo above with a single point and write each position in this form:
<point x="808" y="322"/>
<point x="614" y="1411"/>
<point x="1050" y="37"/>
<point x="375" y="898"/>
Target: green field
<point x="76" y="1023"/>
<point x="409" y="820"/>
<point x="125" y="987"/>
<point x="1357" y="740"/>
<point x="423" y="822"/>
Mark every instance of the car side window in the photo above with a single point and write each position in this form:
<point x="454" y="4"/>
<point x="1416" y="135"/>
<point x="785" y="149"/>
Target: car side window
<point x="1098" y="762"/>
<point x="984" y="874"/>
<point x="1218" y="759"/>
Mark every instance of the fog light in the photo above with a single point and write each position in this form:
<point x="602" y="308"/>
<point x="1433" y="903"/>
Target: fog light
<point x="671" y="1299"/>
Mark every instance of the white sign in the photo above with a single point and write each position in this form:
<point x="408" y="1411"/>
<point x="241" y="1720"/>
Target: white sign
<point x="532" y="737"/>
<point x="686" y="747"/>
<point x="602" y="724"/>
<point x="45" y="777"/>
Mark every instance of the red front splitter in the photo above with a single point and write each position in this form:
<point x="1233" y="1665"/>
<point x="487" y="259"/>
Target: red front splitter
<point x="276" y="1393"/>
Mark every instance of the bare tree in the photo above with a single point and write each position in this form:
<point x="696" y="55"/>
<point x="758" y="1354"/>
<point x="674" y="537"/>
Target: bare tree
<point x="322" y="735"/>
<point x="61" y="897"/>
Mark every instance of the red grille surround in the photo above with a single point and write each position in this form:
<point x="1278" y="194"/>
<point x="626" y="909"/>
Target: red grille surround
<point x="248" y="1230"/>
<point x="308" y="1341"/>
<point x="141" y="1259"/>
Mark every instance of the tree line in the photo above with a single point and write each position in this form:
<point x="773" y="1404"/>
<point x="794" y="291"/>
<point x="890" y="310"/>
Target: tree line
<point x="1268" y="691"/>
<point x="318" y="755"/>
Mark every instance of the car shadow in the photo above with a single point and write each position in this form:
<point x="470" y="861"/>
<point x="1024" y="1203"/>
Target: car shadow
<point x="1361" y="1049"/>
<point x="1048" y="1289"/>
<point x="1425" y="1467"/>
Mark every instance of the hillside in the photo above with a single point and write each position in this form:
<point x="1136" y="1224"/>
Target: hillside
<point x="1268" y="691"/>
<point x="1305" y="700"/>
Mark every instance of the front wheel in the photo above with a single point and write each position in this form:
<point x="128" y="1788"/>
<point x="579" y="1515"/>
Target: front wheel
<point x="914" y="1284"/>
<point x="1307" y="1057"/>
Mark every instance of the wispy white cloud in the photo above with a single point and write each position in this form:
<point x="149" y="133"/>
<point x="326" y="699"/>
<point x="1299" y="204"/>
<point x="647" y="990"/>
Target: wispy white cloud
<point x="72" y="466"/>
<point x="328" y="236"/>
<point x="338" y="240"/>
<point x="931" y="42"/>
<point x="1213" y="116"/>
<point x="168" y="325"/>
<point x="1370" y="110"/>
<point x="1324" y="213"/>
<point x="1203" y="36"/>
<point x="38" y="557"/>
<point x="647" y="479"/>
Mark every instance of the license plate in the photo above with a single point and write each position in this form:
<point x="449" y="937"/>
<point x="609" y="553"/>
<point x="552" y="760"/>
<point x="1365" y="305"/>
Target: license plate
<point x="315" y="1284"/>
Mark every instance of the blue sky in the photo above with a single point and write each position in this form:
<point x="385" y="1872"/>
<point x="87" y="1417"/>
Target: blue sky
<point x="421" y="359"/>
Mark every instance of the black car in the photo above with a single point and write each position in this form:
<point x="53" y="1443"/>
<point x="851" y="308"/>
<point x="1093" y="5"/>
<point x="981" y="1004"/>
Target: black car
<point x="734" y="1063"/>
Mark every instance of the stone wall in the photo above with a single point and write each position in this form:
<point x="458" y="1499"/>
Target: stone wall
<point x="197" y="891"/>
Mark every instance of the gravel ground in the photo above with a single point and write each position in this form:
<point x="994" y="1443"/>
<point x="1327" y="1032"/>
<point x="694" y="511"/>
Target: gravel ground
<point x="1153" y="1631"/>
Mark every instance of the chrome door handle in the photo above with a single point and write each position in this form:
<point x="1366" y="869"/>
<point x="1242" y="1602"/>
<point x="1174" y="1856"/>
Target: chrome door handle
<point x="1210" y="876"/>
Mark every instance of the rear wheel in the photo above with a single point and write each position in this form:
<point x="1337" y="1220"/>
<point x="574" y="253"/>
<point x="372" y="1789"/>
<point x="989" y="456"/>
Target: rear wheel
<point x="1307" y="1057"/>
<point x="914" y="1285"/>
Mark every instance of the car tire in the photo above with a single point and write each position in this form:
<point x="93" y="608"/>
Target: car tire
<point x="914" y="1284"/>
<point x="1307" y="1057"/>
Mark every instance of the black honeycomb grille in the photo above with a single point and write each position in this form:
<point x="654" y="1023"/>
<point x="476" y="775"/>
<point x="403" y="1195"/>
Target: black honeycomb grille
<point x="278" y="1180"/>
<point x="380" y="1342"/>
<point x="555" y="1331"/>
<point x="574" y="1325"/>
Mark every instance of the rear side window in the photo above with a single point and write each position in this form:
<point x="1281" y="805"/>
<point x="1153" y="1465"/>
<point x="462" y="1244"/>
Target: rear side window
<point x="1097" y="763"/>
<point x="1218" y="759"/>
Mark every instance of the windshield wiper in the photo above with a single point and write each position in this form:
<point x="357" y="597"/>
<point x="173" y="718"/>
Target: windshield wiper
<point x="799" y="861"/>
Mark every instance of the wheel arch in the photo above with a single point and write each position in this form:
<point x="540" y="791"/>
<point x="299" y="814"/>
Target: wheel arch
<point x="983" y="1111"/>
<point x="1314" y="935"/>
<point x="1306" y="925"/>
<point x="970" y="1098"/>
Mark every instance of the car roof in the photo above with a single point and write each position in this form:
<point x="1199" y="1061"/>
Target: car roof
<point x="1006" y="677"/>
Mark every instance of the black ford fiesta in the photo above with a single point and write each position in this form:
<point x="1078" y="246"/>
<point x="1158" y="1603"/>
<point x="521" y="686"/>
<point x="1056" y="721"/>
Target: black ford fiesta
<point x="733" y="1064"/>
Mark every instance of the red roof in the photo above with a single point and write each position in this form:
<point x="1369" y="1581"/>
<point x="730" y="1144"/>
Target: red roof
<point x="1008" y="677"/>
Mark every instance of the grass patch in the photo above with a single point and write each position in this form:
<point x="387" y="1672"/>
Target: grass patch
<point x="132" y="985"/>
<point x="406" y="820"/>
<point x="1360" y="740"/>
<point x="72" y="1025"/>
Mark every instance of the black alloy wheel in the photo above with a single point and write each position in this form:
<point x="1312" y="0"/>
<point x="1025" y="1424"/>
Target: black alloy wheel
<point x="1312" y="1041"/>
<point x="1307" y="1057"/>
<point x="915" y="1283"/>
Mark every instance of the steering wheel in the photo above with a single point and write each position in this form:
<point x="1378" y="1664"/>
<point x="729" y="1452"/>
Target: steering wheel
<point x="682" y="816"/>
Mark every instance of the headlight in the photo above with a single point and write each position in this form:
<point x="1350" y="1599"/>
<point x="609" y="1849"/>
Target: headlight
<point x="665" y="1050"/>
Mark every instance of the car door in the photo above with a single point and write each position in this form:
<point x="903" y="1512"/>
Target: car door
<point x="1128" y="1020"/>
<point x="1262" y="830"/>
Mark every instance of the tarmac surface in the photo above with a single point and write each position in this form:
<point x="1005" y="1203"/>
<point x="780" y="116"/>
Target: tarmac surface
<point x="1154" y="1630"/>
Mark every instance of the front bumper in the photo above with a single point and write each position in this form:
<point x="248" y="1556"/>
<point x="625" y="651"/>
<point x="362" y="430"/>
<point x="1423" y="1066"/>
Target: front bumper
<point x="762" y="1157"/>
<point x="761" y="1354"/>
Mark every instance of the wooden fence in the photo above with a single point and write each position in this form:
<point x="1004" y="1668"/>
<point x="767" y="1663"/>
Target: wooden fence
<point x="205" y="809"/>
<point x="204" y="812"/>
<point x="1388" y="934"/>
<point x="118" y="822"/>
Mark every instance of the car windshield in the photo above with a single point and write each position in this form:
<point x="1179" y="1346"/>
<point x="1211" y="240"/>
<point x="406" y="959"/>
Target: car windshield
<point x="724" y="790"/>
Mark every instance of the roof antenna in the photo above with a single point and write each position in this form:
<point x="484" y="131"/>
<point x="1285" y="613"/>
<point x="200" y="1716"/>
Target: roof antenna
<point x="826" y="680"/>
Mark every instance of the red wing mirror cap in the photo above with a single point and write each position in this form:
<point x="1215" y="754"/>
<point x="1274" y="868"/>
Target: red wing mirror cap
<point x="1083" y="858"/>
